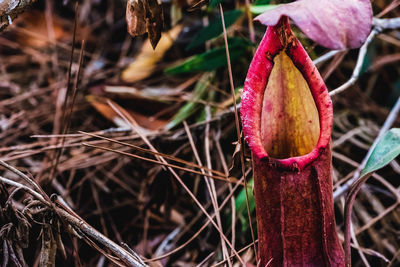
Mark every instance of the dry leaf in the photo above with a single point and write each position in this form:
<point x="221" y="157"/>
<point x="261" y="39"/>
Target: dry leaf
<point x="144" y="121"/>
<point x="145" y="16"/>
<point x="146" y="60"/>
<point x="159" y="93"/>
<point x="136" y="17"/>
<point x="35" y="22"/>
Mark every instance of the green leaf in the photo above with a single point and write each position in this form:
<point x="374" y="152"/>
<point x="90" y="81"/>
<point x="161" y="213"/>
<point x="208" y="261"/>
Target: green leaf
<point x="191" y="107"/>
<point x="214" y="29"/>
<point x="211" y="59"/>
<point x="262" y="2"/>
<point x="259" y="9"/>
<point x="214" y="3"/>
<point x="240" y="201"/>
<point x="241" y="206"/>
<point x="387" y="149"/>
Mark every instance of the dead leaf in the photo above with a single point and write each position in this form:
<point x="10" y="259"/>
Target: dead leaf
<point x="146" y="60"/>
<point x="160" y="93"/>
<point x="145" y="16"/>
<point x="144" y="121"/>
<point x="154" y="21"/>
<point x="238" y="147"/>
<point x="35" y="22"/>
<point x="136" y="17"/>
<point x="49" y="247"/>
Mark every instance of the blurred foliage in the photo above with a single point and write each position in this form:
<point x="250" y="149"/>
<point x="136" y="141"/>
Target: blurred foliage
<point x="213" y="58"/>
<point x="214" y="29"/>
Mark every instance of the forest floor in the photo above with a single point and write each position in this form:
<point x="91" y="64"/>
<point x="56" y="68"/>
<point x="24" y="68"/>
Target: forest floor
<point x="139" y="146"/>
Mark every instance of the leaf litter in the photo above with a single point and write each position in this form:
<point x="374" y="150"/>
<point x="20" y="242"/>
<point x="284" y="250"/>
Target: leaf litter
<point x="134" y="200"/>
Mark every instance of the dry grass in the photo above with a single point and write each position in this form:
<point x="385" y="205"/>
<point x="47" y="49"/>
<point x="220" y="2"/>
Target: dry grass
<point x="154" y="189"/>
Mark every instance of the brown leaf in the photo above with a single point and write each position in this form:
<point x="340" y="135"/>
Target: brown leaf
<point x="136" y="17"/>
<point x="144" y="121"/>
<point x="49" y="247"/>
<point x="145" y="16"/>
<point x="100" y="104"/>
<point x="154" y="21"/>
<point x="35" y="22"/>
<point x="146" y="60"/>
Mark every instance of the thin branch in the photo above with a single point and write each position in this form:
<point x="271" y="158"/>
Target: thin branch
<point x="239" y="136"/>
<point x="68" y="117"/>
<point x="239" y="251"/>
<point x="83" y="226"/>
<point x="24" y="187"/>
<point x="191" y="164"/>
<point x="387" y="24"/>
<point x="131" y="121"/>
<point x="347" y="216"/>
<point x="385" y="127"/>
<point x="359" y="181"/>
<point x="222" y="178"/>
<point x="26" y="178"/>
<point x="68" y="215"/>
<point x="379" y="26"/>
<point x="357" y="70"/>
<point x="10" y="9"/>
<point x="327" y="56"/>
<point x="231" y="194"/>
<point x="208" y="181"/>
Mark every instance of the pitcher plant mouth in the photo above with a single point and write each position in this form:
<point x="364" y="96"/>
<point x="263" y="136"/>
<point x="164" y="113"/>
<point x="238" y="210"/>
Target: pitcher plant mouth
<point x="287" y="121"/>
<point x="286" y="109"/>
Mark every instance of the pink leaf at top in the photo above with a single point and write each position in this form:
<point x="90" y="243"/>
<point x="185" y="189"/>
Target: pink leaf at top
<point x="335" y="24"/>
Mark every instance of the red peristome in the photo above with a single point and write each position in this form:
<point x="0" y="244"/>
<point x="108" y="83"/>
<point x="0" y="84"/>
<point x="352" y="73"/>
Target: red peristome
<point x="294" y="204"/>
<point x="253" y="92"/>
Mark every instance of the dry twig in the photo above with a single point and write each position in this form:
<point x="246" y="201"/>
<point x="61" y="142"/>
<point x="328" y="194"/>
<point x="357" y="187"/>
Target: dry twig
<point x="67" y="215"/>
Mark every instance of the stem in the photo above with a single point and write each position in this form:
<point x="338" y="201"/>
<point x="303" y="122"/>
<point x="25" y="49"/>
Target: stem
<point x="347" y="215"/>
